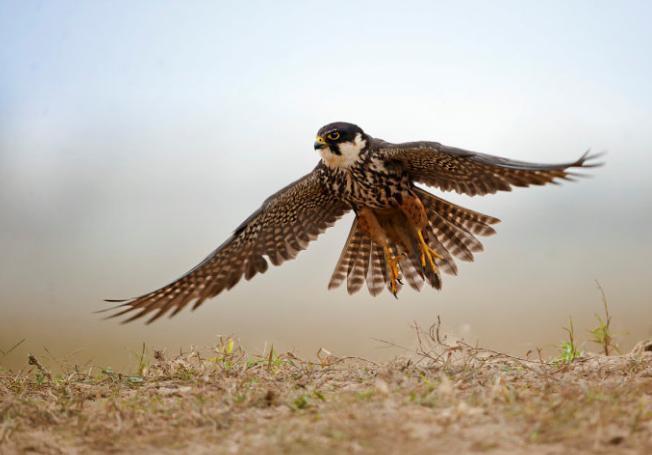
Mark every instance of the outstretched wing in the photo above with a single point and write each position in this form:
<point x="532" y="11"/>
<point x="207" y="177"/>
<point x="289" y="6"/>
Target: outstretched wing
<point x="472" y="173"/>
<point x="279" y="229"/>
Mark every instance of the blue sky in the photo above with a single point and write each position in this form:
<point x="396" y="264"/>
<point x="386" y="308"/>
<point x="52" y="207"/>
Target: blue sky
<point x="101" y="59"/>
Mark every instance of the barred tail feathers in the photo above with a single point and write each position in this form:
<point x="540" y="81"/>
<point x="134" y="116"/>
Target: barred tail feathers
<point x="451" y="231"/>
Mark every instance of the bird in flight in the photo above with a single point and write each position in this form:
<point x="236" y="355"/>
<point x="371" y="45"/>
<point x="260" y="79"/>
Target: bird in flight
<point x="401" y="233"/>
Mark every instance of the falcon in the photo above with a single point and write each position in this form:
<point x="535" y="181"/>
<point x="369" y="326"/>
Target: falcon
<point x="401" y="233"/>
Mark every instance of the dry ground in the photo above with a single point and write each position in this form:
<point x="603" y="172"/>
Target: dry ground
<point x="450" y="398"/>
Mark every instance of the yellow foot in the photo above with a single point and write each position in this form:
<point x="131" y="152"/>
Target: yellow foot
<point x="394" y="273"/>
<point x="428" y="255"/>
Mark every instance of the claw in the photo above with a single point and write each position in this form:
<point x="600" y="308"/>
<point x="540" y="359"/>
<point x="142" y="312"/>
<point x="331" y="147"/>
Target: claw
<point x="427" y="254"/>
<point x="394" y="272"/>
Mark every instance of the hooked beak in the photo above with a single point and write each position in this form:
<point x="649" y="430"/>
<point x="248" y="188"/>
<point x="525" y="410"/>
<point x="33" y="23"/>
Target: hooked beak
<point x="320" y="143"/>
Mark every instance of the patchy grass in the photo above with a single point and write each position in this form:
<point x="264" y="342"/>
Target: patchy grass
<point x="568" y="350"/>
<point x="601" y="334"/>
<point x="449" y="398"/>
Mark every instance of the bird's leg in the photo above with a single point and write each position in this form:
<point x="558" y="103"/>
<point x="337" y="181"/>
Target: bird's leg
<point x="368" y="223"/>
<point x="394" y="272"/>
<point x="414" y="210"/>
<point x="427" y="253"/>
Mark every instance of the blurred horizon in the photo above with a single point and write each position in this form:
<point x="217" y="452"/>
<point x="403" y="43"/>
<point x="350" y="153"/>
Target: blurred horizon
<point x="135" y="137"/>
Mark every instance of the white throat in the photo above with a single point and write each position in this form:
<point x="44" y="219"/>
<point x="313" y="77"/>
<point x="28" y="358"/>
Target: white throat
<point x="350" y="151"/>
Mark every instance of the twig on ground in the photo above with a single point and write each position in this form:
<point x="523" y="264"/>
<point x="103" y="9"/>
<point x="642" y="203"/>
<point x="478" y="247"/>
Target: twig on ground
<point x="32" y="360"/>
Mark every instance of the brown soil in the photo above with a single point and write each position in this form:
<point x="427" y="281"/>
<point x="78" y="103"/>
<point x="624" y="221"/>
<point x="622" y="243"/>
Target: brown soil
<point x="450" y="398"/>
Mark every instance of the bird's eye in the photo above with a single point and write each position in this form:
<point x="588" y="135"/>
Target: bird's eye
<point x="333" y="136"/>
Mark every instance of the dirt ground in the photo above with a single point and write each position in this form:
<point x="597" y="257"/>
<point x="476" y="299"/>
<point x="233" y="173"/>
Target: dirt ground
<point x="448" y="398"/>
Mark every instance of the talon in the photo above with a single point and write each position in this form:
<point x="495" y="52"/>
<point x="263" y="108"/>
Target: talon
<point x="394" y="272"/>
<point x="428" y="255"/>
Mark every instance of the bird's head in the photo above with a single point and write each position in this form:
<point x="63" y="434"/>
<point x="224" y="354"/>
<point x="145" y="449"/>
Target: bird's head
<point x="340" y="144"/>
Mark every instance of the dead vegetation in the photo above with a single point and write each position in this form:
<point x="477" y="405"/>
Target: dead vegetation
<point x="450" y="397"/>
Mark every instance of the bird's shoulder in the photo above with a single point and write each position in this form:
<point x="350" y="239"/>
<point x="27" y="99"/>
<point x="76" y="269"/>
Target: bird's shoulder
<point x="388" y="149"/>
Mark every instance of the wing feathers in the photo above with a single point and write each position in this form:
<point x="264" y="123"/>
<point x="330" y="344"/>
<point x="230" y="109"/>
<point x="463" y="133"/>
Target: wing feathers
<point x="284" y="225"/>
<point x="472" y="173"/>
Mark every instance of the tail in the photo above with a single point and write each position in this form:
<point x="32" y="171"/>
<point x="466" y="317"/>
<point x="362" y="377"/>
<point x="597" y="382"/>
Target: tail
<point x="353" y="263"/>
<point x="454" y="228"/>
<point x="451" y="232"/>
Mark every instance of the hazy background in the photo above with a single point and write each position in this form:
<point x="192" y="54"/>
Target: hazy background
<point x="134" y="136"/>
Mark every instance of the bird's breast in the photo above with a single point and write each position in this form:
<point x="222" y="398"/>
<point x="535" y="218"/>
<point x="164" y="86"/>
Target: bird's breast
<point x="370" y="184"/>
